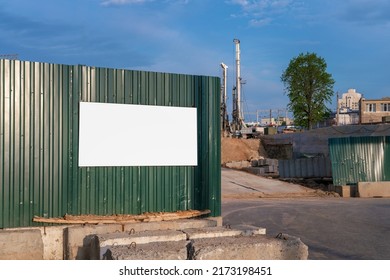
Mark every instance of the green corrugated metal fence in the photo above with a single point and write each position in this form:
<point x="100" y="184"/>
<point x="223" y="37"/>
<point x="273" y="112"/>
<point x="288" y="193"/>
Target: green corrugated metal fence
<point x="360" y="159"/>
<point x="39" y="118"/>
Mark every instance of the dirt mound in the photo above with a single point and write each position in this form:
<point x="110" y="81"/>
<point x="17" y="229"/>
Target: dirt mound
<point x="235" y="149"/>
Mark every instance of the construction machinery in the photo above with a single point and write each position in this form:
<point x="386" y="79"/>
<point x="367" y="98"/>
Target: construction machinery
<point x="237" y="114"/>
<point x="237" y="128"/>
<point x="225" y="125"/>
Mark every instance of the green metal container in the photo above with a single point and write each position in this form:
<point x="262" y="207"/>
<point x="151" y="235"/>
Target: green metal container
<point x="39" y="118"/>
<point x="360" y="159"/>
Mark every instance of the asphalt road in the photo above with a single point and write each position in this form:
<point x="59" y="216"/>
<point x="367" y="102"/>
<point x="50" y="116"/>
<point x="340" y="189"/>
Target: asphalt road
<point x="332" y="228"/>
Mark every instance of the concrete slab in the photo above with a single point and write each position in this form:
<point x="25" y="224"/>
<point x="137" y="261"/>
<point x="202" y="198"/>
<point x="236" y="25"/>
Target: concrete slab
<point x="171" y="225"/>
<point x="102" y="242"/>
<point x="25" y="244"/>
<point x="78" y="239"/>
<point x="258" y="247"/>
<point x="248" y="230"/>
<point x="176" y="250"/>
<point x="374" y="189"/>
<point x="195" y="233"/>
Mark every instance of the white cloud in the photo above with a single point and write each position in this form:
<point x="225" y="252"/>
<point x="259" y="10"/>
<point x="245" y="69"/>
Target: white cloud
<point x="256" y="6"/>
<point x="123" y="2"/>
<point x="263" y="12"/>
<point x="260" y="22"/>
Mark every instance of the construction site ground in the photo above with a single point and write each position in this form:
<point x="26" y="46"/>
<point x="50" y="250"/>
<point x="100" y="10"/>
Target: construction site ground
<point x="333" y="227"/>
<point x="237" y="150"/>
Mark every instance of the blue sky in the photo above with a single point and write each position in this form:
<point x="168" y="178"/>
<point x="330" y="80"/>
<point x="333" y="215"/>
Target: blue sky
<point x="195" y="36"/>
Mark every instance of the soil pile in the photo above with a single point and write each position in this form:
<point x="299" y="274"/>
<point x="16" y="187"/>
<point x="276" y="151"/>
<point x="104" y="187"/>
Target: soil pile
<point x="237" y="149"/>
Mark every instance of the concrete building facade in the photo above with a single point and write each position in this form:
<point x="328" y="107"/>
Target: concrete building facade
<point x="374" y="110"/>
<point x="348" y="108"/>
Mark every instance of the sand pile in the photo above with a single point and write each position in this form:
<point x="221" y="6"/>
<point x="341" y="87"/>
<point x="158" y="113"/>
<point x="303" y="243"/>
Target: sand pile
<point x="237" y="149"/>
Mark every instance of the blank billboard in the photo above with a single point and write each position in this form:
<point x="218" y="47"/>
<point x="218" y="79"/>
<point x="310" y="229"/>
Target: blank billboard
<point x="137" y="135"/>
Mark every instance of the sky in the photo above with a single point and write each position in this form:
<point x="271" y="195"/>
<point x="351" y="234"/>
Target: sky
<point x="195" y="36"/>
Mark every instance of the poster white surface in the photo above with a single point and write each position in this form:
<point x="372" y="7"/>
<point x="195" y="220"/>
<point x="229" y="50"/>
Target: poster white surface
<point x="137" y="135"/>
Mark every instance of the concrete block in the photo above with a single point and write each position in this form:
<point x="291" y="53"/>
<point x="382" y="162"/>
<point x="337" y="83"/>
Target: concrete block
<point x="102" y="242"/>
<point x="214" y="221"/>
<point x="78" y="239"/>
<point x="25" y="244"/>
<point x="270" y="169"/>
<point x="256" y="170"/>
<point x="346" y="191"/>
<point x="257" y="247"/>
<point x="176" y="250"/>
<point x="195" y="233"/>
<point x="53" y="242"/>
<point x="374" y="189"/>
<point x="269" y="162"/>
<point x="254" y="163"/>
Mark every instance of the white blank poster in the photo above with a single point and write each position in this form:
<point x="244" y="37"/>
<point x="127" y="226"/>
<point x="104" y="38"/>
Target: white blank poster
<point x="137" y="135"/>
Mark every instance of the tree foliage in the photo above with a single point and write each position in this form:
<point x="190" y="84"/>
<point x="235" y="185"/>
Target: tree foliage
<point x="309" y="87"/>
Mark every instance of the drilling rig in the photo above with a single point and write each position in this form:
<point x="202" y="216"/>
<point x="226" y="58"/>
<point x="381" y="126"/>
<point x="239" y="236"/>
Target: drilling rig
<point x="237" y="128"/>
<point x="238" y="119"/>
<point x="225" y="126"/>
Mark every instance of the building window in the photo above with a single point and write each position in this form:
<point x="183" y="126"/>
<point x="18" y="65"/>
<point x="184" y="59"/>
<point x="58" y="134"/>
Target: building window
<point x="370" y="107"/>
<point x="385" y="107"/>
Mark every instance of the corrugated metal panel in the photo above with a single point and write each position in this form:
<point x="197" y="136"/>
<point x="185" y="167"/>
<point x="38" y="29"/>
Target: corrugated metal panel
<point x="316" y="167"/>
<point x="39" y="173"/>
<point x="360" y="159"/>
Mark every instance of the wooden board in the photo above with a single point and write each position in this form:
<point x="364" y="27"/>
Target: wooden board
<point x="120" y="219"/>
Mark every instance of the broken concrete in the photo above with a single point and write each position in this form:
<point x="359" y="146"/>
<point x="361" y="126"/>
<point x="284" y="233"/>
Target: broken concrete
<point x="205" y="244"/>
<point x="176" y="250"/>
<point x="259" y="247"/>
<point x="101" y="243"/>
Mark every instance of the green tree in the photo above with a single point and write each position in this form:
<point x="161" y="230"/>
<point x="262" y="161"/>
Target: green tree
<point x="309" y="87"/>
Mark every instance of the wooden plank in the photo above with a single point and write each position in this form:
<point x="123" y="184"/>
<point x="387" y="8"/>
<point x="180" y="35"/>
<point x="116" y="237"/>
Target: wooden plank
<point x="113" y="219"/>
